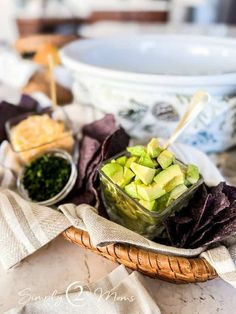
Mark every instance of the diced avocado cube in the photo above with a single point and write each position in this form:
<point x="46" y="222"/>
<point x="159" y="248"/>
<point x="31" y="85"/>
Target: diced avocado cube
<point x="127" y="176"/>
<point x="187" y="183"/>
<point x="115" y="172"/>
<point x="165" y="159"/>
<point x="149" y="193"/>
<point x="121" y="160"/>
<point x="118" y="178"/>
<point x="131" y="189"/>
<point x="138" y="150"/>
<point x="148" y="205"/>
<point x="147" y="161"/>
<point x="165" y="176"/>
<point x="158" y="170"/>
<point x="130" y="160"/>
<point x="111" y="169"/>
<point x="137" y="181"/>
<point x="155" y="162"/>
<point x="153" y="148"/>
<point x="162" y="202"/>
<point x="178" y="191"/>
<point x="192" y="174"/>
<point x="145" y="174"/>
<point x="113" y="161"/>
<point x="174" y="182"/>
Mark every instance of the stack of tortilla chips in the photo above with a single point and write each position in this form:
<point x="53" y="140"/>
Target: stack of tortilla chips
<point x="101" y="140"/>
<point x="210" y="217"/>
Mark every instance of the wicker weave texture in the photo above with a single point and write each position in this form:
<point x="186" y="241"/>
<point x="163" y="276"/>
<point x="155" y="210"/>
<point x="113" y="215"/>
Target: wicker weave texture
<point x="169" y="268"/>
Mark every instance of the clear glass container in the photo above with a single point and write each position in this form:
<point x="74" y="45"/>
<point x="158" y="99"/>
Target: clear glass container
<point x="67" y="140"/>
<point x="64" y="192"/>
<point x="126" y="211"/>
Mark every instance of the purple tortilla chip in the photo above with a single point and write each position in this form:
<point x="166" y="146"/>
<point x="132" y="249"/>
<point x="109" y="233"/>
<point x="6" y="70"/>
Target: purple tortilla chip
<point x="221" y="202"/>
<point x="185" y="237"/>
<point x="213" y="218"/>
<point x="178" y="229"/>
<point x="197" y="240"/>
<point x="216" y="205"/>
<point x="29" y="103"/>
<point x="199" y="208"/>
<point x="100" y="129"/>
<point x="101" y="140"/>
<point x="88" y="149"/>
<point x="221" y="233"/>
<point x="227" y="214"/>
<point x="182" y="220"/>
<point x="230" y="192"/>
<point x="9" y="111"/>
<point x="115" y="143"/>
<point x="171" y="231"/>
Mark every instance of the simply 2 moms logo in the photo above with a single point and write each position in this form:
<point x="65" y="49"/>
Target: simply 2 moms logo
<point x="77" y="295"/>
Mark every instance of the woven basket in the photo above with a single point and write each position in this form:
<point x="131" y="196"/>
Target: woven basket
<point x="170" y="268"/>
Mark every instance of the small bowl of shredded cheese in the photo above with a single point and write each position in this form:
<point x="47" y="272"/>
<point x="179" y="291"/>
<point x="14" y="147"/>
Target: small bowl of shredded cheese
<point x="33" y="134"/>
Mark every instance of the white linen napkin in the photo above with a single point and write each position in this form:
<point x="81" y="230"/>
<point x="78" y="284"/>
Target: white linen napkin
<point x="25" y="227"/>
<point x="14" y="71"/>
<point x="117" y="293"/>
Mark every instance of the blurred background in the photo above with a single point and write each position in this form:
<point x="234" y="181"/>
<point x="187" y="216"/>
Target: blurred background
<point x="97" y="18"/>
<point x="33" y="30"/>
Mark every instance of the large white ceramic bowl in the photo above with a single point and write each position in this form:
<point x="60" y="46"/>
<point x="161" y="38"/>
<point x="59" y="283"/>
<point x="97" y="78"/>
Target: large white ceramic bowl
<point x="147" y="80"/>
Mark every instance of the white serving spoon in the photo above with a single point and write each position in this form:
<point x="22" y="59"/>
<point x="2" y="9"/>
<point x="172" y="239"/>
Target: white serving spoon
<point x="195" y="107"/>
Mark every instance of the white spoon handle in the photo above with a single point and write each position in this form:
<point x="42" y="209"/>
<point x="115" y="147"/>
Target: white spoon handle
<point x="197" y="104"/>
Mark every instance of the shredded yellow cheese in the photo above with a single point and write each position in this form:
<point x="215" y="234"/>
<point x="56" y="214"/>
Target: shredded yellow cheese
<point x="39" y="133"/>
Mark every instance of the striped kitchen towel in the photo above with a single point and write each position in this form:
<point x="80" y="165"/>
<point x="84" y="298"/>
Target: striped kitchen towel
<point x="224" y="261"/>
<point x="25" y="227"/>
<point x="8" y="158"/>
<point x="7" y="178"/>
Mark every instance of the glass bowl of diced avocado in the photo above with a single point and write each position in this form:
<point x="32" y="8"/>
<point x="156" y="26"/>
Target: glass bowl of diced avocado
<point x="144" y="185"/>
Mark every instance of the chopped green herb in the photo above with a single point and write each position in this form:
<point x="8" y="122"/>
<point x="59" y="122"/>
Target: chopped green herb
<point x="45" y="177"/>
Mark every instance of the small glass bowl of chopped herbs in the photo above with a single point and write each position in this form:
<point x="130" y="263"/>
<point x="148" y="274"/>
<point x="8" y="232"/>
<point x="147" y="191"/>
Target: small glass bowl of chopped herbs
<point x="48" y="179"/>
<point x="144" y="185"/>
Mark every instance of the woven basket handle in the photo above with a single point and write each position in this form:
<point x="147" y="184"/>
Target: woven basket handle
<point x="169" y="268"/>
